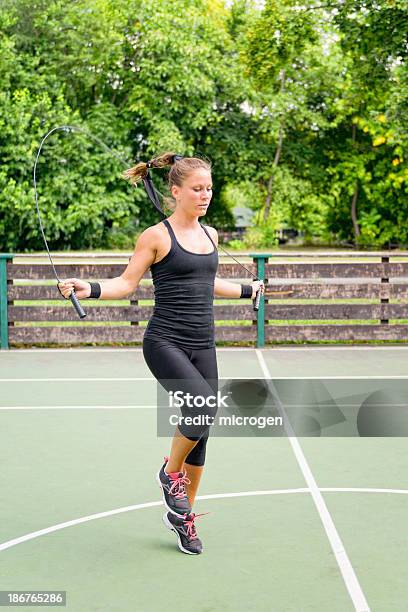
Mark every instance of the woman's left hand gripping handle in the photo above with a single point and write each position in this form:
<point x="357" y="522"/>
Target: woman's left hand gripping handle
<point x="258" y="289"/>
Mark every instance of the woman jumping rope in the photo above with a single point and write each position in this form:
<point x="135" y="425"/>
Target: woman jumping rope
<point x="178" y="343"/>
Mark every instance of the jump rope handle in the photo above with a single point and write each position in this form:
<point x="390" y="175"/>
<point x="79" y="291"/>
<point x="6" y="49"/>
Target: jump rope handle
<point x="257" y="299"/>
<point x="75" y="302"/>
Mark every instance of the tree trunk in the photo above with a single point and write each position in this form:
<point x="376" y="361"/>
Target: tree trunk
<point x="356" y="226"/>
<point x="278" y="152"/>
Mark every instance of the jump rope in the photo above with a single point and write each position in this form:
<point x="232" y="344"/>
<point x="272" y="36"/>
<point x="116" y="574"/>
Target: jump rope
<point x="150" y="190"/>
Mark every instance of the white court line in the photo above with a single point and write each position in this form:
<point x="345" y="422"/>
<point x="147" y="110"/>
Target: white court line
<point x="143" y="378"/>
<point x="221" y="349"/>
<point x="137" y="349"/>
<point x="88" y="379"/>
<point x="92" y="517"/>
<point x="359" y="490"/>
<point x="87" y="407"/>
<point x="129" y="378"/>
<point x="154" y="406"/>
<point x="118" y="379"/>
<point x="328" y="347"/>
<point x="347" y="571"/>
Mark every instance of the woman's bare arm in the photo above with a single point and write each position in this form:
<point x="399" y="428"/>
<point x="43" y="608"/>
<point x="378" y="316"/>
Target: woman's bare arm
<point x="226" y="289"/>
<point x="141" y="260"/>
<point x="121" y="286"/>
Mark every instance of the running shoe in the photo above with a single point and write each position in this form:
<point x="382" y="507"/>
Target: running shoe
<point x="184" y="528"/>
<point x="173" y="487"/>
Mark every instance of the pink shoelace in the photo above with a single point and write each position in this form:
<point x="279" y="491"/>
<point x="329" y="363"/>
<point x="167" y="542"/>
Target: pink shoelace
<point x="189" y="522"/>
<point x="178" y="488"/>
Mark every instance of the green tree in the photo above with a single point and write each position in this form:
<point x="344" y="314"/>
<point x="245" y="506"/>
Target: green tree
<point x="302" y="108"/>
<point x="368" y="164"/>
<point x="295" y="71"/>
<point x="144" y="76"/>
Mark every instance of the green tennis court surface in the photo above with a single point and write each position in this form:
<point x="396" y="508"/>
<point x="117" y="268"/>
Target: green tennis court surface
<point x="296" y="523"/>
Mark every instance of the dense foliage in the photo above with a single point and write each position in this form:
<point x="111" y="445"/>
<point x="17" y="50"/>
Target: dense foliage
<point x="302" y="108"/>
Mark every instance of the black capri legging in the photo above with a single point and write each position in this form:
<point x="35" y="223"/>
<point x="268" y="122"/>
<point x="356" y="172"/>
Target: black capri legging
<point x="197" y="368"/>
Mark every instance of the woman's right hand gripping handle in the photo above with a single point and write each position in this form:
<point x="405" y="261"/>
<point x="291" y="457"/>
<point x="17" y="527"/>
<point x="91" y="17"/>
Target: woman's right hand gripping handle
<point x="72" y="289"/>
<point x="81" y="288"/>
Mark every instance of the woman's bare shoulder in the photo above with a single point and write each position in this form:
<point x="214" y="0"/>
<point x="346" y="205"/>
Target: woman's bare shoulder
<point x="213" y="233"/>
<point x="153" y="233"/>
<point x="152" y="236"/>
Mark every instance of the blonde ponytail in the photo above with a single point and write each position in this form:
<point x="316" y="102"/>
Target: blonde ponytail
<point x="180" y="168"/>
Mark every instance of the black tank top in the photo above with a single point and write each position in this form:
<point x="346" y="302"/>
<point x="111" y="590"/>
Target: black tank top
<point x="184" y="293"/>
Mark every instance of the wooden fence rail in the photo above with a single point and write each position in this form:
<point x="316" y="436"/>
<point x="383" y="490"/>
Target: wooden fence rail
<point x="339" y="315"/>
